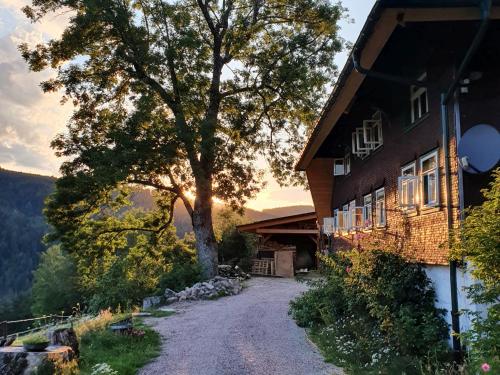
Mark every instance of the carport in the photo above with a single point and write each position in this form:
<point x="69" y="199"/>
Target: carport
<point x="287" y="245"/>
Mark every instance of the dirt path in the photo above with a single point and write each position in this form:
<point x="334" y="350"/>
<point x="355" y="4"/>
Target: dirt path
<point x="250" y="333"/>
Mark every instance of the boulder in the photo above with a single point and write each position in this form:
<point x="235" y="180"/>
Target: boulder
<point x="150" y="302"/>
<point x="169" y="293"/>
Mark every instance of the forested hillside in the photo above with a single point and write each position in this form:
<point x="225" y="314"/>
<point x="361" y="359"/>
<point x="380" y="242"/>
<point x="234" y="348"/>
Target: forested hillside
<point x="22" y="227"/>
<point x="22" y="224"/>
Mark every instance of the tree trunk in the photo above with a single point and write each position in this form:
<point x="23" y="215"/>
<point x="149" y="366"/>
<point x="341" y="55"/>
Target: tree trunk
<point x="206" y="245"/>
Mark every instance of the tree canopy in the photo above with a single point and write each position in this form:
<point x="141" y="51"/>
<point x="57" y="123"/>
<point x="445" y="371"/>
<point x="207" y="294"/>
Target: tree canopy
<point x="183" y="96"/>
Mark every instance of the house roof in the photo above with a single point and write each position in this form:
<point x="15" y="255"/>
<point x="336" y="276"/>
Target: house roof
<point x="269" y="225"/>
<point x="379" y="26"/>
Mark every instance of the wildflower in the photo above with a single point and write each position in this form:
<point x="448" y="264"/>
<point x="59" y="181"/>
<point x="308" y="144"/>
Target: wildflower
<point x="485" y="367"/>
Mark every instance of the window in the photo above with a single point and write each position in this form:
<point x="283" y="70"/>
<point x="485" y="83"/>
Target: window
<point x="430" y="179"/>
<point x="352" y="215"/>
<point x="419" y="101"/>
<point x="407" y="187"/>
<point x="359" y="147"/>
<point x="328" y="226"/>
<point x="347" y="160"/>
<point x="339" y="167"/>
<point x="367" y="211"/>
<point x="372" y="131"/>
<point x="340" y="221"/>
<point x="346" y="220"/>
<point x="380" y="208"/>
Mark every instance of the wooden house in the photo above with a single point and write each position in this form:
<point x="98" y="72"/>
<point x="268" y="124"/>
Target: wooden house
<point x="382" y="161"/>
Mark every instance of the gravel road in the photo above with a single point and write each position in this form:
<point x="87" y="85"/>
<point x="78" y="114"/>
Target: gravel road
<point x="250" y="333"/>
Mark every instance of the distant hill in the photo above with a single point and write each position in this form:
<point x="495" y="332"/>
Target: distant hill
<point x="22" y="224"/>
<point x="22" y="227"/>
<point x="182" y="220"/>
<point x="288" y="210"/>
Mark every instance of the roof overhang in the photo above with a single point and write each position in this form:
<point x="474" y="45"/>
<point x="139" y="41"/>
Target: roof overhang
<point x="266" y="226"/>
<point x="378" y="28"/>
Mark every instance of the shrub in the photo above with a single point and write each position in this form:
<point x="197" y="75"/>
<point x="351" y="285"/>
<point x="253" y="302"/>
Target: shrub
<point x="478" y="244"/>
<point x="236" y="248"/>
<point x="181" y="275"/>
<point x="374" y="311"/>
<point x="134" y="272"/>
<point x="54" y="283"/>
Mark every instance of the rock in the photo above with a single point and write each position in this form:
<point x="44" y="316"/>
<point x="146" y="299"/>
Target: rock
<point x="216" y="287"/>
<point x="15" y="361"/>
<point x="149" y="302"/>
<point x="172" y="299"/>
<point x="65" y="337"/>
<point x="169" y="293"/>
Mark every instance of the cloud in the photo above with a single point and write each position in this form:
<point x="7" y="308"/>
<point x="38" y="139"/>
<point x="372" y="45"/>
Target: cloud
<point x="29" y="119"/>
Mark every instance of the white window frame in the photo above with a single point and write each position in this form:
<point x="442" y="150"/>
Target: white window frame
<point x="340" y="221"/>
<point x="347" y="164"/>
<point x="328" y="227"/>
<point x="380" y="212"/>
<point x="434" y="171"/>
<point x="352" y="213"/>
<point x="367" y="211"/>
<point x="372" y="131"/>
<point x="359" y="148"/>
<point x="340" y="163"/>
<point x="416" y="97"/>
<point x="346" y="218"/>
<point x="409" y="178"/>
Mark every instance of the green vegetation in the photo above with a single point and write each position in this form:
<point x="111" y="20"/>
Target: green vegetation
<point x="146" y="114"/>
<point x="36" y="339"/>
<point x="478" y="245"/>
<point x="374" y="313"/>
<point x="55" y="283"/>
<point x="125" y="354"/>
<point x="159" y="313"/>
<point x="180" y="276"/>
<point x="235" y="248"/>
<point x="22" y="197"/>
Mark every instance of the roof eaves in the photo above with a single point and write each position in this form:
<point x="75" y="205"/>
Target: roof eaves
<point x="346" y="71"/>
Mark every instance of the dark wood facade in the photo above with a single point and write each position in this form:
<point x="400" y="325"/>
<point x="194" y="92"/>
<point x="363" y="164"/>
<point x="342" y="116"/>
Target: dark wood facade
<point x="434" y="44"/>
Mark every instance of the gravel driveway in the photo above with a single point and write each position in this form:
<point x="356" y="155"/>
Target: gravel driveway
<point x="250" y="333"/>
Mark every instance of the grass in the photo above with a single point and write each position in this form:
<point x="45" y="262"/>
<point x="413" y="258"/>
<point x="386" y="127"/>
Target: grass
<point x="159" y="313"/>
<point x="125" y="354"/>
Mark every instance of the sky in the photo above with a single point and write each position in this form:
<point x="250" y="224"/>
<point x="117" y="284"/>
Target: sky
<point x="29" y="119"/>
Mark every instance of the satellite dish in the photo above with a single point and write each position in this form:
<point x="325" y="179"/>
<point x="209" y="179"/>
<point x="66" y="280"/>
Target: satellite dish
<point x="479" y="149"/>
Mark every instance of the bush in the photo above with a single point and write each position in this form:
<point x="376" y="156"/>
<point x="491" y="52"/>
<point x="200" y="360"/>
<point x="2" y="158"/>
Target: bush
<point x="236" y="248"/>
<point x="478" y="244"/>
<point x="54" y="283"/>
<point x="182" y="275"/>
<point x="373" y="312"/>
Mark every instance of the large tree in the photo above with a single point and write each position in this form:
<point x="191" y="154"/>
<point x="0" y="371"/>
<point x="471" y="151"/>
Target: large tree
<point x="183" y="96"/>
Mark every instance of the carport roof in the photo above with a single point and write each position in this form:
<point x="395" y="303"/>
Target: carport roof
<point x="269" y="226"/>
